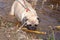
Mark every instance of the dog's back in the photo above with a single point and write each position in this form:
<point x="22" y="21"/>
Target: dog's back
<point x="18" y="9"/>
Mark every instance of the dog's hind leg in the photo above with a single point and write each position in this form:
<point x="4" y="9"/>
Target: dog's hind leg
<point x="12" y="9"/>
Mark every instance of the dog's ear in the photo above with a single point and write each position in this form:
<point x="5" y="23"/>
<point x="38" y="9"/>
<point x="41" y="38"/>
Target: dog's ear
<point x="38" y="19"/>
<point x="24" y="19"/>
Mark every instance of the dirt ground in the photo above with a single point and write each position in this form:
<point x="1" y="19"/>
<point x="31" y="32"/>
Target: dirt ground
<point x="48" y="16"/>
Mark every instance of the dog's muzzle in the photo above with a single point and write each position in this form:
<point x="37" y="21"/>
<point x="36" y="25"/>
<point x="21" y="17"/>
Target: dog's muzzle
<point x="30" y="27"/>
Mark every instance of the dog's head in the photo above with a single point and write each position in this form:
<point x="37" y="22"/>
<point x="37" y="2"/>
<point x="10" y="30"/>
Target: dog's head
<point x="31" y="19"/>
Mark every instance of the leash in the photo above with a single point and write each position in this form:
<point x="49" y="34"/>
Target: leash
<point x="27" y="9"/>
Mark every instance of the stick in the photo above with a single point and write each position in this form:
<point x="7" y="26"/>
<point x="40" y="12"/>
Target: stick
<point x="57" y="27"/>
<point x="37" y="32"/>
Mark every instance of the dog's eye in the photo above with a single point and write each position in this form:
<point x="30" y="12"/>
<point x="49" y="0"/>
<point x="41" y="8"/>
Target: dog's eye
<point x="29" y="25"/>
<point x="36" y="25"/>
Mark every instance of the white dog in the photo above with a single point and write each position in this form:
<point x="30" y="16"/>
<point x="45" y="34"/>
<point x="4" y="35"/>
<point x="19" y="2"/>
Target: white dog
<point x="24" y="12"/>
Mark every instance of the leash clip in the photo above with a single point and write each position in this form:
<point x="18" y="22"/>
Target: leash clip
<point x="27" y="10"/>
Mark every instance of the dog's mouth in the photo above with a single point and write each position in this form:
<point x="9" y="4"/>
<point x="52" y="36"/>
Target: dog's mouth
<point x="30" y="27"/>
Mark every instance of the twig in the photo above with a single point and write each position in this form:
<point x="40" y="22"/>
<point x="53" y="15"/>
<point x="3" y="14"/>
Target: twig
<point x="31" y="31"/>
